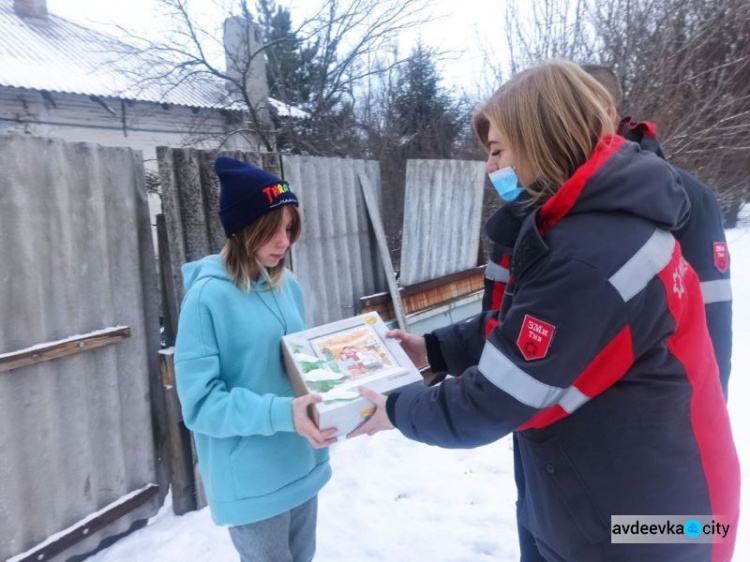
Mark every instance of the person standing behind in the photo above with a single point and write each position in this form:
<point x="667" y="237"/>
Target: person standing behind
<point x="702" y="237"/>
<point x="262" y="459"/>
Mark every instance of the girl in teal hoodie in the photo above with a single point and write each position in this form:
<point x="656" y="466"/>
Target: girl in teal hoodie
<point x="262" y="459"/>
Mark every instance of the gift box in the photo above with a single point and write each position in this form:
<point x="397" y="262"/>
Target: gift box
<point x="335" y="359"/>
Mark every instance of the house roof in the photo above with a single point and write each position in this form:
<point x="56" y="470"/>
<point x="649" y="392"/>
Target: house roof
<point x="286" y="110"/>
<point x="56" y="55"/>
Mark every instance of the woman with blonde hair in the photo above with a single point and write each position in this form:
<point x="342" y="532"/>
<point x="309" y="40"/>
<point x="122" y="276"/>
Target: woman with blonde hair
<point x="599" y="357"/>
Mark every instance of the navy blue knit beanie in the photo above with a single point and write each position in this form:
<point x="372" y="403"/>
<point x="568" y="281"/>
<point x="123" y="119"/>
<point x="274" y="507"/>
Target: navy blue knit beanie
<point x="248" y="193"/>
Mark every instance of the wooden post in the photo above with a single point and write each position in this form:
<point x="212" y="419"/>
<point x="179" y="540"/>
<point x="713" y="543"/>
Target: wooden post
<point x="200" y="491"/>
<point x="168" y="296"/>
<point x="179" y="449"/>
<point x="373" y="210"/>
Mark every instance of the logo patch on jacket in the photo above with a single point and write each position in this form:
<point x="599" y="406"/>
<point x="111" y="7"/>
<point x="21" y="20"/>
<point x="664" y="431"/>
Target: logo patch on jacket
<point x="535" y="338"/>
<point x="721" y="256"/>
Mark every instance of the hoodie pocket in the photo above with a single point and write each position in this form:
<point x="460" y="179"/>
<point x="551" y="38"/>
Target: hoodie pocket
<point x="261" y="465"/>
<point x="559" y="506"/>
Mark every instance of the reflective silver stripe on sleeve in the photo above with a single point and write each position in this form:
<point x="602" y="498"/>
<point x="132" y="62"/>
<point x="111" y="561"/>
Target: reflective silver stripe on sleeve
<point x="495" y="272"/>
<point x="654" y="256"/>
<point x="501" y="372"/>
<point x="716" y="291"/>
<point x="573" y="399"/>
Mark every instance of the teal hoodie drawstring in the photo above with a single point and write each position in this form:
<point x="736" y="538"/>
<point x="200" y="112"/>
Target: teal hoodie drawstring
<point x="280" y="315"/>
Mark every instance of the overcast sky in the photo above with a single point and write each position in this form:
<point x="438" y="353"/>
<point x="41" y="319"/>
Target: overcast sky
<point x="468" y="29"/>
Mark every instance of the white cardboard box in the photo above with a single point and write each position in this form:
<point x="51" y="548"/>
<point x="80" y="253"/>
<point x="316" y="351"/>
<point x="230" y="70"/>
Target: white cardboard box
<point x="335" y="359"/>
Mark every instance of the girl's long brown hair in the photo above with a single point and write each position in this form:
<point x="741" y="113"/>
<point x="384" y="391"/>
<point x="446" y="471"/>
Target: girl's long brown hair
<point x="238" y="254"/>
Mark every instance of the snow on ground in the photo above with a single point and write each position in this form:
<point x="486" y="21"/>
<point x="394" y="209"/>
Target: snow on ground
<point x="389" y="499"/>
<point x="393" y="499"/>
<point x="739" y="381"/>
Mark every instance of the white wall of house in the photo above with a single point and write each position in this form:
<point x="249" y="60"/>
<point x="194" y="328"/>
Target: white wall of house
<point x="144" y="125"/>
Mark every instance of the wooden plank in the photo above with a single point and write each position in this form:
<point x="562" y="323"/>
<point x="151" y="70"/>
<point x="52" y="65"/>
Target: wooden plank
<point x="88" y="526"/>
<point x="166" y="368"/>
<point x="470" y="274"/>
<point x="166" y="278"/>
<point x="453" y="279"/>
<point x="62" y="348"/>
<point x="385" y="256"/>
<point x="211" y="197"/>
<point x="173" y="219"/>
<point x="179" y="450"/>
<point x="428" y="294"/>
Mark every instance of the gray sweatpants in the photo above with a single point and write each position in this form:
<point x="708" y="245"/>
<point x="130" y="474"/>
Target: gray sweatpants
<point x="287" y="537"/>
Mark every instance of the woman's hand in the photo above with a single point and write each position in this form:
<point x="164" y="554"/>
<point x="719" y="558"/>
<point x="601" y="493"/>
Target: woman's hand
<point x="378" y="421"/>
<point x="414" y="346"/>
<point x="306" y="427"/>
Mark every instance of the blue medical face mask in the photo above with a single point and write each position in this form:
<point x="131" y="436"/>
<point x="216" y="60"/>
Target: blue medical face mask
<point x="505" y="183"/>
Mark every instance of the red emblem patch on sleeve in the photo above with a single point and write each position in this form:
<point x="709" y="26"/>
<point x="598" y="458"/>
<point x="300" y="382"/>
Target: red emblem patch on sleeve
<point x="535" y="338"/>
<point x="721" y="256"/>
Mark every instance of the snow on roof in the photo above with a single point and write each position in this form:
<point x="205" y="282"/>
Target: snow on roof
<point x="56" y="55"/>
<point x="286" y="110"/>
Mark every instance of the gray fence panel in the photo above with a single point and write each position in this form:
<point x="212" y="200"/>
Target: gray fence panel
<point x="76" y="432"/>
<point x="336" y="259"/>
<point x="442" y="215"/>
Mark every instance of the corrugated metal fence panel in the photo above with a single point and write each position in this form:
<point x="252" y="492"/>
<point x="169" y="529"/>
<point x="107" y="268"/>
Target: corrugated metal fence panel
<point x="77" y="256"/>
<point x="442" y="215"/>
<point x="336" y="259"/>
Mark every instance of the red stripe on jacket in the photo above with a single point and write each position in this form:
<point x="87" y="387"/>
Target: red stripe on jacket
<point x="491" y="325"/>
<point x="608" y="367"/>
<point x="563" y="201"/>
<point x="498" y="294"/>
<point x="692" y="347"/>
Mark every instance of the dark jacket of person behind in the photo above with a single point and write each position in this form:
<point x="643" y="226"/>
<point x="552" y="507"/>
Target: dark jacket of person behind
<point x="704" y="246"/>
<point x="702" y="236"/>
